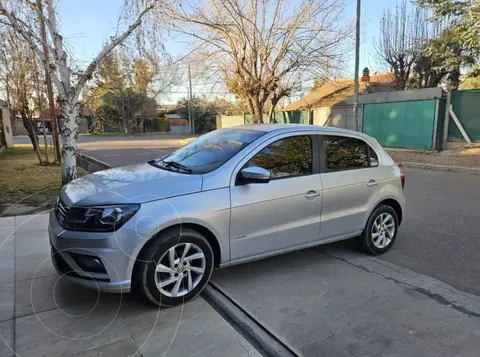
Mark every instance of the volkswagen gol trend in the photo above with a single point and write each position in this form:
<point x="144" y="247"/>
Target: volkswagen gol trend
<point x="232" y="196"/>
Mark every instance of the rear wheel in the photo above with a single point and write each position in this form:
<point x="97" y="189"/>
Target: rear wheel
<point x="176" y="267"/>
<point x="380" y="231"/>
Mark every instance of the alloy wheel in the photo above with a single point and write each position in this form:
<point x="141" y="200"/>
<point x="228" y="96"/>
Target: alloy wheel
<point x="180" y="269"/>
<point x="383" y="230"/>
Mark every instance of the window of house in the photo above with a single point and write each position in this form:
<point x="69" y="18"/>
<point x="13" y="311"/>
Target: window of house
<point x="344" y="153"/>
<point x="287" y="157"/>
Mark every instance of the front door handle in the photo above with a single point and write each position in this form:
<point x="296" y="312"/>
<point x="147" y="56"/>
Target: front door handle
<point x="372" y="183"/>
<point x="312" y="194"/>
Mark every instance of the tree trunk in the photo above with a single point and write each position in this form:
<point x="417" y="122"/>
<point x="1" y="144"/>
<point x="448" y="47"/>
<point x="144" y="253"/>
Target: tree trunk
<point x="258" y="111"/>
<point x="70" y="112"/>
<point x="273" y="104"/>
<point x="270" y="114"/>
<point x="250" y="106"/>
<point x="27" y="123"/>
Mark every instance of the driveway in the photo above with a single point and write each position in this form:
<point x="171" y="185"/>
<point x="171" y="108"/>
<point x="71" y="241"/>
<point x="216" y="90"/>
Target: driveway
<point x="43" y="315"/>
<point x="421" y="298"/>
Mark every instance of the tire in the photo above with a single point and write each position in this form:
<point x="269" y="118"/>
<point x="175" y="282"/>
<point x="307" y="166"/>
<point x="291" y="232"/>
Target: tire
<point x="159" y="251"/>
<point x="371" y="240"/>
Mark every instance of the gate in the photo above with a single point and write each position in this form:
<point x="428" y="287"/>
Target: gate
<point x="408" y="125"/>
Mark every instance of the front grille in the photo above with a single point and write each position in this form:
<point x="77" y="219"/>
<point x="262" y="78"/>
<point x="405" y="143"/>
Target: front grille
<point x="61" y="211"/>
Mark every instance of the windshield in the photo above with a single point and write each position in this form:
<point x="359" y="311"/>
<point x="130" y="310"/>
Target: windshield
<point x="211" y="150"/>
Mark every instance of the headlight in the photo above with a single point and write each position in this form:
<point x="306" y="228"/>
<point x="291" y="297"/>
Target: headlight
<point x="100" y="219"/>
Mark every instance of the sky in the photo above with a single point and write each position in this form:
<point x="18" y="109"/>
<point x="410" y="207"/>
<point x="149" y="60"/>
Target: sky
<point x="86" y="24"/>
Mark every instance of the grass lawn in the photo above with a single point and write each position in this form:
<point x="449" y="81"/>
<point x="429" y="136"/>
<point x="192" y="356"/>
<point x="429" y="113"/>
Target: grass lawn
<point x="25" y="186"/>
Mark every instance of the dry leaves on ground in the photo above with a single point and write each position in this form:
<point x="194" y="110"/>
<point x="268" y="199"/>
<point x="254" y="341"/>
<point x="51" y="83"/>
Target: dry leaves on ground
<point x="464" y="157"/>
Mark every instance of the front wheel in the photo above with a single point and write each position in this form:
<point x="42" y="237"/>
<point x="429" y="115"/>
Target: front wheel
<point x="380" y="231"/>
<point x="176" y="268"/>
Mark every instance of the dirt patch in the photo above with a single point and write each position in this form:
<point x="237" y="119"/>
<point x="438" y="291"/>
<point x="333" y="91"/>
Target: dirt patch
<point x="463" y="157"/>
<point x="25" y="186"/>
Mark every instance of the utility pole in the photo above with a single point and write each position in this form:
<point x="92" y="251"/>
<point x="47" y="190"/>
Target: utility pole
<point x="48" y="80"/>
<point x="357" y="66"/>
<point x="190" y="117"/>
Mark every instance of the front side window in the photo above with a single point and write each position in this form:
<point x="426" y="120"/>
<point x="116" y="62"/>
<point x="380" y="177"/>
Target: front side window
<point x="209" y="151"/>
<point x="287" y="157"/>
<point x="344" y="153"/>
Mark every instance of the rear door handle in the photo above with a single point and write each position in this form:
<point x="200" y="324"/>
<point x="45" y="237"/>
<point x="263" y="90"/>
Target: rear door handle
<point x="372" y="183"/>
<point x="312" y="194"/>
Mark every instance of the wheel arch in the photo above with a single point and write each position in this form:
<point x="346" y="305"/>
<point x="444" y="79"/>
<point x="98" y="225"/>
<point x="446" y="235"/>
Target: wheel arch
<point x="204" y="231"/>
<point x="395" y="205"/>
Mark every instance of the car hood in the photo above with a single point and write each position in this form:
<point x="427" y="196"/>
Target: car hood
<point x="129" y="184"/>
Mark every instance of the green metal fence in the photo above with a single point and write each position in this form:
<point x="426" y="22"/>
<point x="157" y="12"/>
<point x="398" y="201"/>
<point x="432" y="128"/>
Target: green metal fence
<point x="466" y="105"/>
<point x="292" y="117"/>
<point x="401" y="124"/>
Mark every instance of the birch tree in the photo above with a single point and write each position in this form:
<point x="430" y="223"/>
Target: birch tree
<point x="68" y="83"/>
<point x="254" y="44"/>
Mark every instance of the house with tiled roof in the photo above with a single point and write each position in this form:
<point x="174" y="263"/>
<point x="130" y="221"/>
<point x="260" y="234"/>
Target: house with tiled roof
<point x="332" y="103"/>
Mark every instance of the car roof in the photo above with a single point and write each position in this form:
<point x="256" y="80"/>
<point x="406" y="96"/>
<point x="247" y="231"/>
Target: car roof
<point x="296" y="127"/>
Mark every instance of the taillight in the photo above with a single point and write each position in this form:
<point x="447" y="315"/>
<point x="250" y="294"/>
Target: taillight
<point x="402" y="178"/>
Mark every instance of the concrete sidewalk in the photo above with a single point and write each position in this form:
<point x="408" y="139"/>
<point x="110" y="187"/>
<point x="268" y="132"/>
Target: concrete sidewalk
<point x="41" y="314"/>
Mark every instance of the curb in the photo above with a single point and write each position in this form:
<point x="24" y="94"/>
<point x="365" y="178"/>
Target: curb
<point x="259" y="336"/>
<point x="419" y="165"/>
<point x="90" y="164"/>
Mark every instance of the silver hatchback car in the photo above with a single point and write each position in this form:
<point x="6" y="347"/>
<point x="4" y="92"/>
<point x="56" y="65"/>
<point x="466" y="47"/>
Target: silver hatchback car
<point x="231" y="196"/>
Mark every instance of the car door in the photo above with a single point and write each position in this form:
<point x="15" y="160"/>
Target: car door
<point x="349" y="184"/>
<point x="285" y="212"/>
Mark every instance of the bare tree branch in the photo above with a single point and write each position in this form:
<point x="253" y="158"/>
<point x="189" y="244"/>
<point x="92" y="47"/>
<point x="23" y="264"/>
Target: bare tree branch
<point x="403" y="34"/>
<point x="256" y="44"/>
<point x="87" y="74"/>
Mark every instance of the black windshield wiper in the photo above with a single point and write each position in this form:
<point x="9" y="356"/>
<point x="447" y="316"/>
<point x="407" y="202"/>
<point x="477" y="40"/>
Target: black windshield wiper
<point x="177" y="165"/>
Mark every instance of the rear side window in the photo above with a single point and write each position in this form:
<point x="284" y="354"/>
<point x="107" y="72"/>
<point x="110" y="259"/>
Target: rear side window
<point x="344" y="153"/>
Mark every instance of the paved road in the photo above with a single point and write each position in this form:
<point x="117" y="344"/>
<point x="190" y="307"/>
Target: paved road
<point x="335" y="301"/>
<point x="98" y="142"/>
<point x="440" y="236"/>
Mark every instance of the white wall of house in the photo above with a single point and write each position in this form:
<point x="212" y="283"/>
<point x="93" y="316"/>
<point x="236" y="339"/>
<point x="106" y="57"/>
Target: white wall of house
<point x="234" y="120"/>
<point x="338" y="117"/>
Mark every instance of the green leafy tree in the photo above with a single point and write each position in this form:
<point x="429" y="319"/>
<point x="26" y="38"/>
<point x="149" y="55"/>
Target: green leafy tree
<point x="123" y="106"/>
<point x="470" y="83"/>
<point x="463" y="17"/>
<point x="120" y="93"/>
<point x="458" y="46"/>
<point x="203" y="113"/>
<point x="440" y="61"/>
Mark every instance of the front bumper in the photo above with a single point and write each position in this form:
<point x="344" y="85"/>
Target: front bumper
<point x="116" y="250"/>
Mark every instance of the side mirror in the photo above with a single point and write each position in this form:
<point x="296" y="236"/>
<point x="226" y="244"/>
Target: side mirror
<point x="255" y="174"/>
